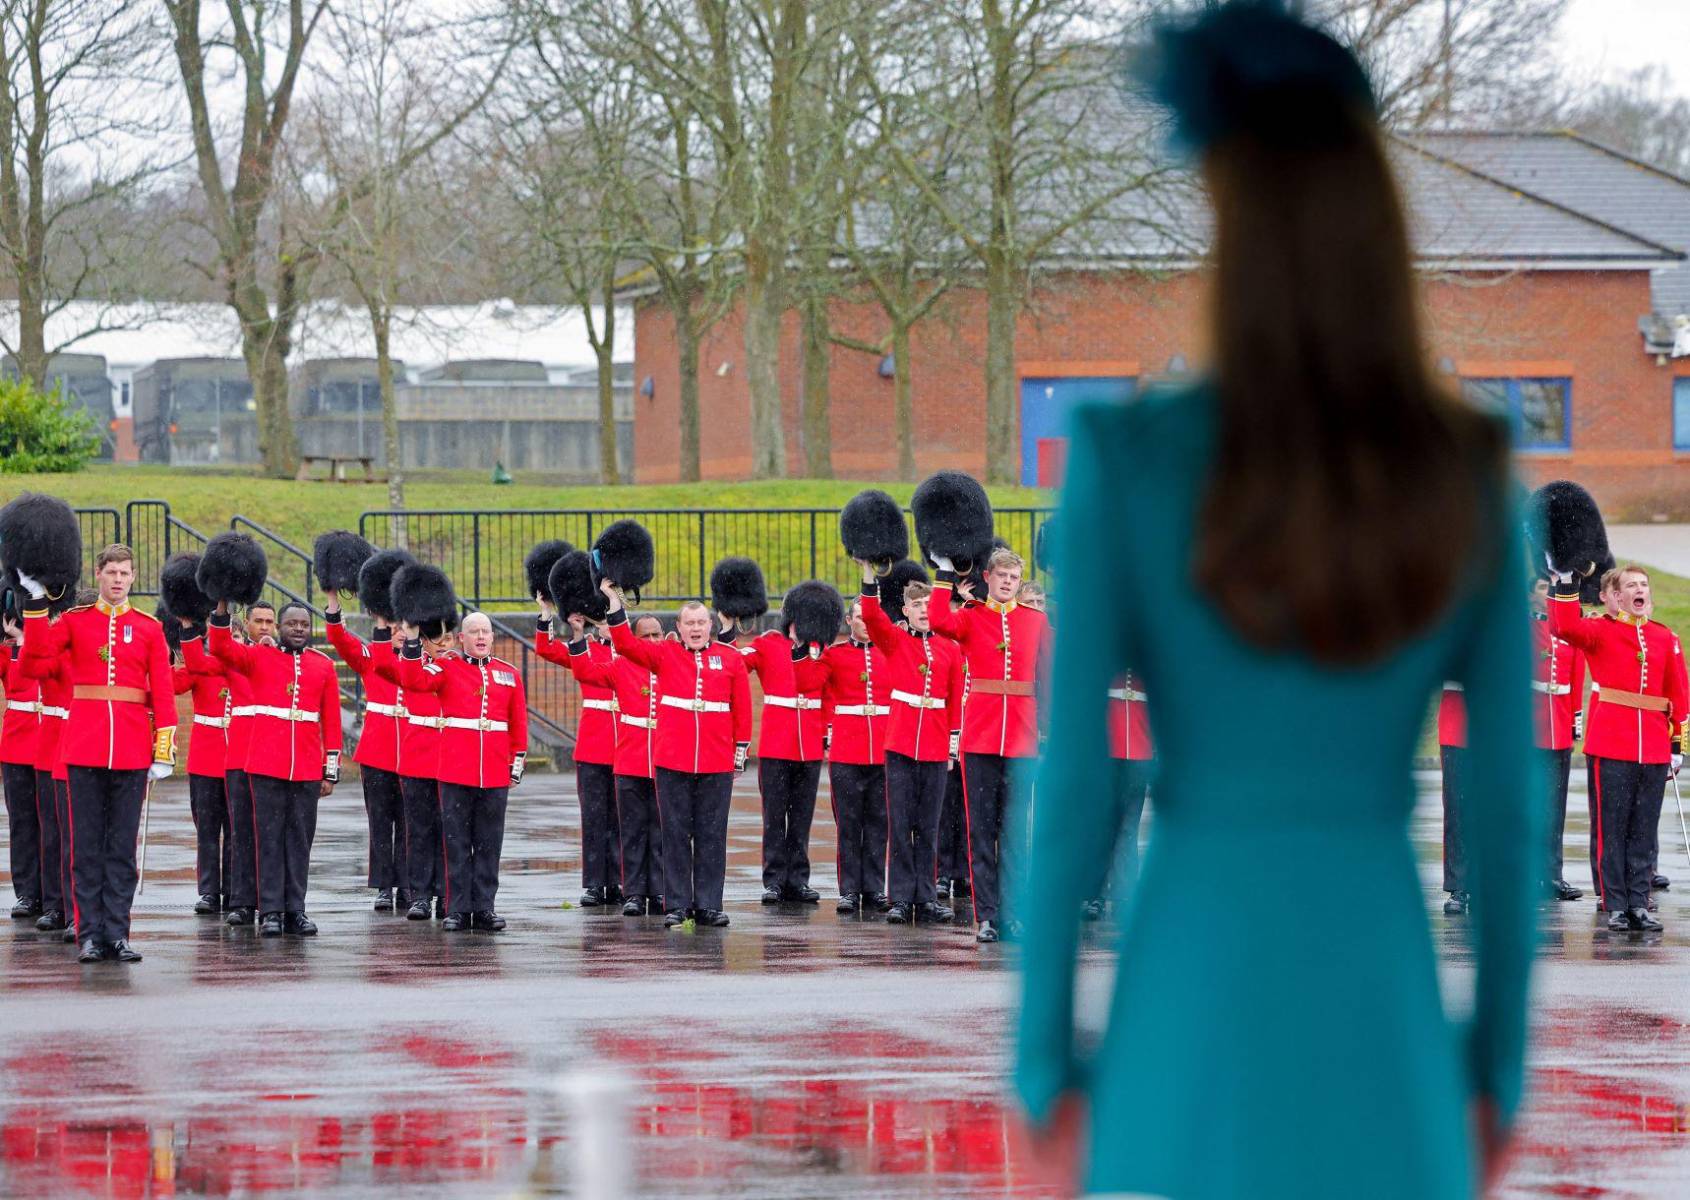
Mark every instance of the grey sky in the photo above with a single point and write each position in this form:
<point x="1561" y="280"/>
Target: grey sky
<point x="1610" y="37"/>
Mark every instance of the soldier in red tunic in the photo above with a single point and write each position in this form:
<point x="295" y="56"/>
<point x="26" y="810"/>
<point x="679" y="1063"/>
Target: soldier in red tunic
<point x="483" y="748"/>
<point x="25" y="817"/>
<point x="417" y="714"/>
<point x="1452" y="758"/>
<point x="1557" y="694"/>
<point x="377" y="755"/>
<point x="1633" y="738"/>
<point x="121" y="730"/>
<point x="703" y="740"/>
<point x="634" y="688"/>
<point x="925" y="673"/>
<point x="1004" y="643"/>
<point x="1135" y="760"/>
<point x="293" y="756"/>
<point x="857" y="711"/>
<point x="595" y="755"/>
<point x="208" y="744"/>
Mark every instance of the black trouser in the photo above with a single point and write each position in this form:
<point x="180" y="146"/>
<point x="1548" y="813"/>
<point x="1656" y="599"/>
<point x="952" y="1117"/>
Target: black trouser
<point x="915" y="794"/>
<point x="694" y="812"/>
<point x="1454" y="759"/>
<point x="287" y="824"/>
<point x="788" y="788"/>
<point x="595" y="787"/>
<point x="986" y="799"/>
<point x="425" y="864"/>
<point x="859" y="811"/>
<point x="1559" y="764"/>
<point x="242" y="879"/>
<point x="384" y="806"/>
<point x="105" y="816"/>
<point x="1132" y="787"/>
<point x="641" y="852"/>
<point x="53" y="860"/>
<point x="953" y="830"/>
<point x="208" y="804"/>
<point x="472" y="825"/>
<point x="59" y="790"/>
<point x="23" y="827"/>
<point x="1627" y="797"/>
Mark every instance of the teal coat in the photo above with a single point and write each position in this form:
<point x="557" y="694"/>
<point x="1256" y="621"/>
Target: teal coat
<point x="1291" y="1042"/>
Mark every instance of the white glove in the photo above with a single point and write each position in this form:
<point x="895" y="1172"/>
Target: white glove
<point x="1555" y="573"/>
<point x="516" y="768"/>
<point x="943" y="563"/>
<point x="160" y="771"/>
<point x="742" y="753"/>
<point x="956" y="744"/>
<point x="1677" y="762"/>
<point x="331" y="766"/>
<point x="32" y="586"/>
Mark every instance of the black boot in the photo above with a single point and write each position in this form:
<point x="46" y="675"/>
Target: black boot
<point x="125" y="952"/>
<point x="1659" y="882"/>
<point x="50" y="920"/>
<point x="673" y="918"/>
<point x="270" y="925"/>
<point x="634" y="906"/>
<point x="988" y="932"/>
<point x="300" y="925"/>
<point x="1640" y="920"/>
<point x="936" y="914"/>
<point x="384" y="900"/>
<point x="1562" y="890"/>
<point x="804" y="894"/>
<point x="613" y="894"/>
<point x="899" y="914"/>
<point x="239" y="916"/>
<point x="944" y="887"/>
<point x="592" y="897"/>
<point x="1456" y="905"/>
<point x="26" y="909"/>
<point x="771" y="895"/>
<point x="1619" y="922"/>
<point x="205" y="905"/>
<point x="880" y="900"/>
<point x="455" y="922"/>
<point x="488" y="921"/>
<point x="713" y="918"/>
<point x="69" y="935"/>
<point x="418" y="911"/>
<point x="92" y="952"/>
<point x="848" y="906"/>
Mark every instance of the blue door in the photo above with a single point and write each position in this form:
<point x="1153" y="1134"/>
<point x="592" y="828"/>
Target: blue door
<point x="1045" y="407"/>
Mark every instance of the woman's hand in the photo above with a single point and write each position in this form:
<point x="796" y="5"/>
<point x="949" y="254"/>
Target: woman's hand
<point x="1056" y="1150"/>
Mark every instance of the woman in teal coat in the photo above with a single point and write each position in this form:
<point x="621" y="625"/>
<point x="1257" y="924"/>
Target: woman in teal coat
<point x="1293" y="555"/>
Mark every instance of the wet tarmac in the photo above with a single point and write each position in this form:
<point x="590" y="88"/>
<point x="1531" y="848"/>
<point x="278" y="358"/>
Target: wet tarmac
<point x="794" y="1054"/>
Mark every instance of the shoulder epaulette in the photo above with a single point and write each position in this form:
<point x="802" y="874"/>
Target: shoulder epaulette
<point x="502" y="663"/>
<point x="148" y="615"/>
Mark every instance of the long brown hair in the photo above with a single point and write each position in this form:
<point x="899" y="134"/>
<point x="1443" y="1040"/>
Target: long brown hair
<point x="1350" y="491"/>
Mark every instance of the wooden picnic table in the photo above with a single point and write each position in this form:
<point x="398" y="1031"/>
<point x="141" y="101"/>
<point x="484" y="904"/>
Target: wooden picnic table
<point x="336" y="466"/>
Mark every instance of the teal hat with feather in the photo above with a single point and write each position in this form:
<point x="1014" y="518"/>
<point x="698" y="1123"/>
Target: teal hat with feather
<point x="1251" y="68"/>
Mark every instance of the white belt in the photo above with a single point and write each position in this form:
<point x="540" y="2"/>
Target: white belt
<point x="599" y="705"/>
<point x="214" y="722"/>
<point x="1552" y="689"/>
<point x="697" y="706"/>
<point x="915" y="701"/>
<point x="482" y="724"/>
<point x="48" y="710"/>
<point x="382" y="710"/>
<point x="28" y="706"/>
<point x="862" y="710"/>
<point x="639" y="722"/>
<point x="281" y="714"/>
<point x="802" y="702"/>
<point x="425" y="722"/>
<point x="1126" y="694"/>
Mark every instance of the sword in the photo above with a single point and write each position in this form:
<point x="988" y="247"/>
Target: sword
<point x="146" y="809"/>
<point x="1679" y="796"/>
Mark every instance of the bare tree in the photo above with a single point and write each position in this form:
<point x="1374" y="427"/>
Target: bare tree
<point x="78" y="88"/>
<point x="1640" y="113"/>
<point x="266" y="71"/>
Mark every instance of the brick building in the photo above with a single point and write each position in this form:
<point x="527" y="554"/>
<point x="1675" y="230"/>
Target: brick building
<point x="1553" y="284"/>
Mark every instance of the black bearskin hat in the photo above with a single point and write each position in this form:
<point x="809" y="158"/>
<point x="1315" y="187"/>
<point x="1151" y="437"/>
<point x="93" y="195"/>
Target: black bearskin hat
<point x="953" y="518"/>
<point x="422" y="596"/>
<point x="871" y="526"/>
<point x="813" y="612"/>
<point x="892" y="586"/>
<point x="625" y="555"/>
<point x="179" y="589"/>
<point x="573" y="588"/>
<point x="737" y="589"/>
<point x="537" y="566"/>
<point x="375" y="581"/>
<point x="173" y="631"/>
<point x="233" y="568"/>
<point x="1563" y="522"/>
<point x="1044" y="544"/>
<point x="976" y="574"/>
<point x="337" y="557"/>
<point x="39" y="537"/>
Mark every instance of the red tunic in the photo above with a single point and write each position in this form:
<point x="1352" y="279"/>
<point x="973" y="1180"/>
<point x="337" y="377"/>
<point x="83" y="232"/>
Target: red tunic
<point x="295" y="707"/>
<point x="417" y="715"/>
<point x="1129" y="721"/>
<point x="926" y="676"/>
<point x="110" y="648"/>
<point x="793" y="725"/>
<point x="1557" y="687"/>
<point x="1630" y="655"/>
<point x="704" y="707"/>
<point x="636" y="694"/>
<point x="209" y="742"/>
<point x="1452" y="717"/>
<point x="378" y="744"/>
<point x="53" y="679"/>
<point x="23" y="712"/>
<point x="239" y="733"/>
<point x="857" y="702"/>
<point x="1004" y="645"/>
<point x="484" y="712"/>
<point x="595" y="733"/>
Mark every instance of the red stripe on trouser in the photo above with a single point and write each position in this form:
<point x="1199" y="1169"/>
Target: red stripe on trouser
<point x="70" y="814"/>
<point x="1596" y="775"/>
<point x="967" y="830"/>
<point x="838" y="834"/>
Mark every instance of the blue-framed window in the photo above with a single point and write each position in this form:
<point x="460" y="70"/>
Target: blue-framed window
<point x="1681" y="413"/>
<point x="1540" y="411"/>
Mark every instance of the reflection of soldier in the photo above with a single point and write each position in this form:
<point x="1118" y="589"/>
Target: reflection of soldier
<point x="17" y="776"/>
<point x="1558" y="690"/>
<point x="1135" y="762"/>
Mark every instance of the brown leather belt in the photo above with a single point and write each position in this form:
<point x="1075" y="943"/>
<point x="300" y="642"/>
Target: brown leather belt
<point x="126" y="695"/>
<point x="1001" y="687"/>
<point x="1634" y="700"/>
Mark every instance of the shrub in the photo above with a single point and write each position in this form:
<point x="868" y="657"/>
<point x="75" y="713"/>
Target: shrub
<point x="41" y="431"/>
